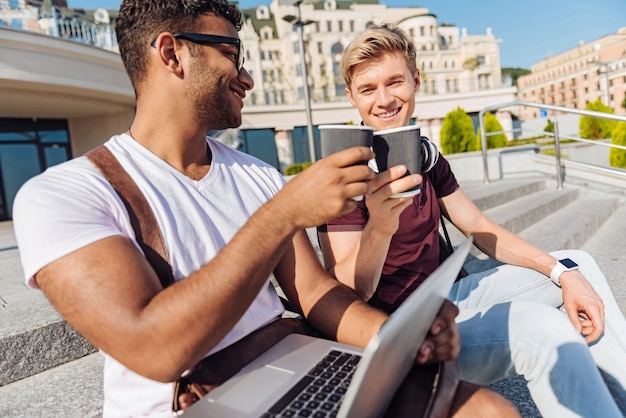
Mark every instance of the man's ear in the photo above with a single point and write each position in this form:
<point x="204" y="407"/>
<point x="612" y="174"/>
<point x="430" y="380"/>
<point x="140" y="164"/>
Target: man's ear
<point x="169" y="52"/>
<point x="417" y="79"/>
<point x="349" y="94"/>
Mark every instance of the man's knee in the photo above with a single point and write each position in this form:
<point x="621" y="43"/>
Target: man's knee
<point x="476" y="401"/>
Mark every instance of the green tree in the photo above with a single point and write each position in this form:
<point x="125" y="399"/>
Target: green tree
<point x="457" y="132"/>
<point x="514" y="73"/>
<point x="617" y="157"/>
<point x="492" y="124"/>
<point x="549" y="126"/>
<point x="596" y="128"/>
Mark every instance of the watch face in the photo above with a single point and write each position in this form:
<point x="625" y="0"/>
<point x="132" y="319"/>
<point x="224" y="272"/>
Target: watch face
<point x="568" y="263"/>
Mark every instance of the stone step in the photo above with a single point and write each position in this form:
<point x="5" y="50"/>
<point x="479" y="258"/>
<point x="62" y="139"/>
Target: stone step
<point x="515" y="215"/>
<point x="572" y="226"/>
<point x="607" y="247"/>
<point x="73" y="389"/>
<point x="519" y="214"/>
<point x="33" y="336"/>
<point x="487" y="196"/>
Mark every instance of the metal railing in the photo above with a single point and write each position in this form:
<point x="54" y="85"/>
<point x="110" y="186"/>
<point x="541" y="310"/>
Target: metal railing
<point x="72" y="24"/>
<point x="556" y="135"/>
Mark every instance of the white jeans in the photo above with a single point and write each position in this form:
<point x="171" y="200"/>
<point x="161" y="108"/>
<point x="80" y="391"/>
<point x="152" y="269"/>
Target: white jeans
<point x="509" y="325"/>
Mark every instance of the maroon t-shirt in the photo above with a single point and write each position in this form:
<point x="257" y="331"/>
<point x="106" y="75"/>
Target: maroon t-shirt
<point x="414" y="250"/>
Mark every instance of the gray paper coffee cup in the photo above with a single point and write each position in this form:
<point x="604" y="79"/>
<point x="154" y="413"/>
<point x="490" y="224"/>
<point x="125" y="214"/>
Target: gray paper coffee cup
<point x="335" y="138"/>
<point x="399" y="146"/>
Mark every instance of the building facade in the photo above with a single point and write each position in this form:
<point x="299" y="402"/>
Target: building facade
<point x="579" y="76"/>
<point x="451" y="60"/>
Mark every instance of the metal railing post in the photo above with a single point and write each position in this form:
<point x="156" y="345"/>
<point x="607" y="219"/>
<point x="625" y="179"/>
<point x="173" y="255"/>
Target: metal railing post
<point x="55" y="27"/>
<point x="483" y="142"/>
<point x="557" y="155"/>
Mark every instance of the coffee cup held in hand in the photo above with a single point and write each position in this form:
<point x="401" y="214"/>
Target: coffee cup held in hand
<point x="399" y="146"/>
<point x="335" y="138"/>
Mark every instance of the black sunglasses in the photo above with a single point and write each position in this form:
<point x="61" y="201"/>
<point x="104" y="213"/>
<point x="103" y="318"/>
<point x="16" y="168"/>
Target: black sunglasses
<point x="204" y="39"/>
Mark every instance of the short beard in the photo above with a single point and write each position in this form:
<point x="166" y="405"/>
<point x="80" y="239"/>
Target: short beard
<point x="208" y="89"/>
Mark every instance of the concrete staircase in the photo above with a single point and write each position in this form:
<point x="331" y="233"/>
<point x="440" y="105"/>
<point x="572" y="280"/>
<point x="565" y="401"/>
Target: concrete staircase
<point x="46" y="369"/>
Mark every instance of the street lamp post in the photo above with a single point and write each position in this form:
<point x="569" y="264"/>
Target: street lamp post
<point x="299" y="24"/>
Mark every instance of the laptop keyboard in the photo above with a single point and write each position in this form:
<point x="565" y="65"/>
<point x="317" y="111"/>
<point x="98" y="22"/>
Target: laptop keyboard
<point x="320" y="392"/>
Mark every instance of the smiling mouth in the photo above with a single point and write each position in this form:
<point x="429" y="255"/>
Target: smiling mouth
<point x="388" y="114"/>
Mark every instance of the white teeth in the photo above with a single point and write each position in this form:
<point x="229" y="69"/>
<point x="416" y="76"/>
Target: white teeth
<point x="389" y="114"/>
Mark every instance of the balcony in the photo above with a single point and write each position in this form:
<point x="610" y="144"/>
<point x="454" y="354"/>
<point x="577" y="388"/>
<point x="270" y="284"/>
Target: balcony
<point x="74" y="25"/>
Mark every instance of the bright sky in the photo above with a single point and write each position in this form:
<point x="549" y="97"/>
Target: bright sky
<point x="530" y="30"/>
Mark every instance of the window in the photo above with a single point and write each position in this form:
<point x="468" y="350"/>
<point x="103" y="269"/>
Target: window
<point x="340" y="25"/>
<point x="337" y="48"/>
<point x="28" y="147"/>
<point x="329" y="26"/>
<point x="319" y="48"/>
<point x="351" y="26"/>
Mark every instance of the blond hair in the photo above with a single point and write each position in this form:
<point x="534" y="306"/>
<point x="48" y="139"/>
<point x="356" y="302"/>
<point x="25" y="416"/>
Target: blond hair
<point x="373" y="43"/>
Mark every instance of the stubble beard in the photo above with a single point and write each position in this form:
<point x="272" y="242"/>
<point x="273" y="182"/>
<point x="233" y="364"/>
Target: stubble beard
<point x="209" y="91"/>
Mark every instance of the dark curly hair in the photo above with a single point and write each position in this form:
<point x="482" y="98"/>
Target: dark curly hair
<point x="140" y="22"/>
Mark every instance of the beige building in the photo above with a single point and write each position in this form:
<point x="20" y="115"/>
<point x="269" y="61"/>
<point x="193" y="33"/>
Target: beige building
<point x="574" y="78"/>
<point x="451" y="60"/>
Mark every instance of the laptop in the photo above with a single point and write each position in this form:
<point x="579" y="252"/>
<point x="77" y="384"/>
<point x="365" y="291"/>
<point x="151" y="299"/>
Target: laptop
<point x="330" y="379"/>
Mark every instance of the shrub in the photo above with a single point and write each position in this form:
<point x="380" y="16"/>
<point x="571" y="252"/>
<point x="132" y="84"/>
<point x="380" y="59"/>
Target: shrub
<point x="617" y="157"/>
<point x="596" y="128"/>
<point x="296" y="168"/>
<point x="457" y="132"/>
<point x="493" y="141"/>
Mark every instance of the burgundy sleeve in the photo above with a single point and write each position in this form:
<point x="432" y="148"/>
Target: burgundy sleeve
<point x="442" y="178"/>
<point x="353" y="221"/>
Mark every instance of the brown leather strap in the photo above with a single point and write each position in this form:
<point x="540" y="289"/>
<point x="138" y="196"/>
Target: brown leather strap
<point x="147" y="231"/>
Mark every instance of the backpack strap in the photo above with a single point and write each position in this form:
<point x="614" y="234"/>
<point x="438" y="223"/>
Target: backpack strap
<point x="446" y="248"/>
<point x="147" y="231"/>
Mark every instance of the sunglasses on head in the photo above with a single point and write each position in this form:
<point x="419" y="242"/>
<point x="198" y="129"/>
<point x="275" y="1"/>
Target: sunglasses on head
<point x="204" y="39"/>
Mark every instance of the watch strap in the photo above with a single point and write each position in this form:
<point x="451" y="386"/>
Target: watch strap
<point x="559" y="269"/>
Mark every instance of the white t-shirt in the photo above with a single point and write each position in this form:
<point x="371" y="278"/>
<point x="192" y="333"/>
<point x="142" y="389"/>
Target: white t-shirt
<point x="72" y="205"/>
